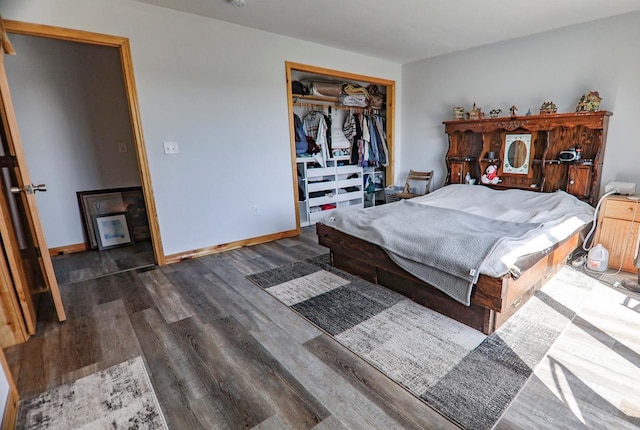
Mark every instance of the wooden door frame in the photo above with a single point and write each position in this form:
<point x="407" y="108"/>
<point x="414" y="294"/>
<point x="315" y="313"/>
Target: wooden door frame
<point x="390" y="88"/>
<point x="122" y="44"/>
<point x="10" y="412"/>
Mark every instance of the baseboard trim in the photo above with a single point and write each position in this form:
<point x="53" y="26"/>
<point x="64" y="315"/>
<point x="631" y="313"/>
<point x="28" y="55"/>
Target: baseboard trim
<point x="68" y="249"/>
<point x="174" y="258"/>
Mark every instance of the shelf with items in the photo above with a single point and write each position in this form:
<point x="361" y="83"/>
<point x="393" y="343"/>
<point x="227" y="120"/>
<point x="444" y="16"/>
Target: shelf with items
<point x="374" y="185"/>
<point x="533" y="162"/>
<point x="319" y="186"/>
<point x="333" y="102"/>
<point x="327" y="188"/>
<point x="498" y="186"/>
<point x="463" y="158"/>
<point x="303" y="98"/>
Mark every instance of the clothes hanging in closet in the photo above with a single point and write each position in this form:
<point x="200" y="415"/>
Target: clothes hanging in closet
<point x="301" y="138"/>
<point x="339" y="141"/>
<point x="381" y="140"/>
<point x="369" y="142"/>
<point x="315" y="127"/>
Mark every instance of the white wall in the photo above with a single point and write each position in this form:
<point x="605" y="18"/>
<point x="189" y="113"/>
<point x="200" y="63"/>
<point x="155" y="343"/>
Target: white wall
<point x="555" y="66"/>
<point x="219" y="90"/>
<point x="71" y="108"/>
<point x="108" y="113"/>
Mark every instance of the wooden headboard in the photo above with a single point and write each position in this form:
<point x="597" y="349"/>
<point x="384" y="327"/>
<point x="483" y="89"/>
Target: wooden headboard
<point x="472" y="141"/>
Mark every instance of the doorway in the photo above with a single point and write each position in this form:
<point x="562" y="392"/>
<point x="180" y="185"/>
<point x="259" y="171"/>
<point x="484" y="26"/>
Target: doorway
<point x="134" y="146"/>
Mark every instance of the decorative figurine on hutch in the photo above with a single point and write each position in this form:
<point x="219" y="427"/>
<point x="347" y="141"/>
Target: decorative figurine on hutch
<point x="491" y="175"/>
<point x="475" y="112"/>
<point x="513" y="111"/>
<point x="495" y="113"/>
<point x="458" y="112"/>
<point x="548" y="108"/>
<point x="589" y="102"/>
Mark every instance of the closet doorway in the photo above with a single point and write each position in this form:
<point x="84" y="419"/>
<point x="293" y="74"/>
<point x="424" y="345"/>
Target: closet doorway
<point x="338" y="177"/>
<point x="135" y="145"/>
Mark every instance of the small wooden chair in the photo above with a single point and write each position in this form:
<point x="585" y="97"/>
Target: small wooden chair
<point x="415" y="176"/>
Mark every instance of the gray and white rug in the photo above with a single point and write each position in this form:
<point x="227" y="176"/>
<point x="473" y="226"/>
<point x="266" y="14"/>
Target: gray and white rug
<point x="120" y="397"/>
<point x="467" y="376"/>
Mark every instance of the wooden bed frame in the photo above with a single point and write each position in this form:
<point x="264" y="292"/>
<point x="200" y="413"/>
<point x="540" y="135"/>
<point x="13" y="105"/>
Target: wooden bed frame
<point x="493" y="300"/>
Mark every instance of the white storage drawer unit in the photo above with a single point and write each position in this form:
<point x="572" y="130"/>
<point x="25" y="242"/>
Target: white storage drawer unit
<point x="327" y="188"/>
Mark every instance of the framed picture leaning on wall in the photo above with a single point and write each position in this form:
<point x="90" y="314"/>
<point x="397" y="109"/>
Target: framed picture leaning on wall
<point x="100" y="202"/>
<point x="112" y="230"/>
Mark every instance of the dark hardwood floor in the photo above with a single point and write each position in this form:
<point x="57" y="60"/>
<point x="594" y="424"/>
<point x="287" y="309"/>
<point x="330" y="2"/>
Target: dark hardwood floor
<point x="224" y="354"/>
<point x="221" y="353"/>
<point x="91" y="264"/>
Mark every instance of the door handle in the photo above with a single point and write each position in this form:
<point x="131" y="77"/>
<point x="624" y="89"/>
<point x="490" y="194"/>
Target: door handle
<point x="29" y="189"/>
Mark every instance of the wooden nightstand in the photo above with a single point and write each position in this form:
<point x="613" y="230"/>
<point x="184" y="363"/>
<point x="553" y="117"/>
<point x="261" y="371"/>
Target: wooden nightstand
<point x="618" y="224"/>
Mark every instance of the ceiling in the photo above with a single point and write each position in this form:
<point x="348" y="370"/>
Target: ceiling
<point x="402" y="31"/>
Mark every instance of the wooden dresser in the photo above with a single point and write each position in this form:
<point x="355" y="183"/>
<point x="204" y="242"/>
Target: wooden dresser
<point x="618" y="224"/>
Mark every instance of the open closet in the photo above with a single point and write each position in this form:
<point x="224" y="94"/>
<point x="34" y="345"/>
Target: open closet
<point x="341" y="126"/>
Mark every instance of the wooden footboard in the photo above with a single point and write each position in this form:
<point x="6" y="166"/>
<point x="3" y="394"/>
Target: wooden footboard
<point x="493" y="300"/>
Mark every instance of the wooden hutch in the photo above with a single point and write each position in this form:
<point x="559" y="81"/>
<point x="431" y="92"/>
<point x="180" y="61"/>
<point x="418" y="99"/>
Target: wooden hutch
<point x="540" y="141"/>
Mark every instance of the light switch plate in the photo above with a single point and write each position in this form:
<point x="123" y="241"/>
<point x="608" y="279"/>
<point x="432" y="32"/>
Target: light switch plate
<point x="171" y="148"/>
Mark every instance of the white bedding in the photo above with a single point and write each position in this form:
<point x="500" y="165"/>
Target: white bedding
<point x="560" y="214"/>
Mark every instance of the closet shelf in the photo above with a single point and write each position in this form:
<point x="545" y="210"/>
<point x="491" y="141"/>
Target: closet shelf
<point x="298" y="97"/>
<point x="335" y="102"/>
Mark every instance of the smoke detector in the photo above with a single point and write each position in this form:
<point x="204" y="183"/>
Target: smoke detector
<point x="236" y="3"/>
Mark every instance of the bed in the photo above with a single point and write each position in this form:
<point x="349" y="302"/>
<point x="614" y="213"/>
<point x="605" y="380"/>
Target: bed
<point x="502" y="273"/>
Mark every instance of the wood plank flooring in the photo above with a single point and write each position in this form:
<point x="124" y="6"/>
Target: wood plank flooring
<point x="224" y="354"/>
<point x="82" y="266"/>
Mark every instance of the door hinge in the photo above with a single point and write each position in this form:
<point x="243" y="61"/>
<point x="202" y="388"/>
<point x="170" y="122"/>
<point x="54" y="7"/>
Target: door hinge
<point x="38" y="253"/>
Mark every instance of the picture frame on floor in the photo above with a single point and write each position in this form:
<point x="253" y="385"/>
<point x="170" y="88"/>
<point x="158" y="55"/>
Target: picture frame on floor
<point x="112" y="230"/>
<point x="100" y="202"/>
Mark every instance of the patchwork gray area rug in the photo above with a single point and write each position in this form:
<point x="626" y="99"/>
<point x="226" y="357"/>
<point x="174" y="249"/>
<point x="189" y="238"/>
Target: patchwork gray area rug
<point x="120" y="397"/>
<point x="467" y="376"/>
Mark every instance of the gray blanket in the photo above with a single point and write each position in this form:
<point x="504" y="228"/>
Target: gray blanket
<point x="443" y="247"/>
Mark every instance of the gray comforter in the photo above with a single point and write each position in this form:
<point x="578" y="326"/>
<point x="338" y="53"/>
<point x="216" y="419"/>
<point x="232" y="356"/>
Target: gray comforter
<point x="449" y="248"/>
<point x="446" y="247"/>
